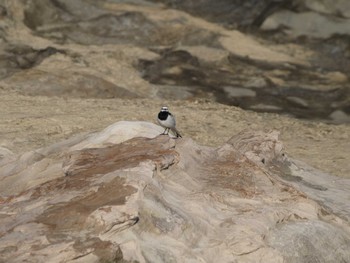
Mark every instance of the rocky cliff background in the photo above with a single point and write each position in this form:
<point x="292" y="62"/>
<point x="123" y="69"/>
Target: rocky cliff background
<point x="70" y="68"/>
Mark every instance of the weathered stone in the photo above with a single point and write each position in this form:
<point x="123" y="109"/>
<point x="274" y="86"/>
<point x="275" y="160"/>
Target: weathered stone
<point x="128" y="194"/>
<point x="152" y="199"/>
<point x="239" y="92"/>
<point x="307" y="24"/>
<point x="340" y="7"/>
<point x="339" y="116"/>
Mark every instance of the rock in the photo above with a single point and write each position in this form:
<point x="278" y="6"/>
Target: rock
<point x="119" y="132"/>
<point x="116" y="196"/>
<point x="265" y="107"/>
<point x="239" y="92"/>
<point x="307" y="24"/>
<point x="339" y="8"/>
<point x="258" y="82"/>
<point x="207" y="54"/>
<point x="152" y="49"/>
<point x="5" y="154"/>
<point x="337" y="77"/>
<point x="248" y="47"/>
<point x="3" y="11"/>
<point x="303" y="234"/>
<point x="339" y="116"/>
<point x="44" y="169"/>
<point x="52" y="51"/>
<point x="174" y="92"/>
<point x="68" y="84"/>
<point x="298" y="101"/>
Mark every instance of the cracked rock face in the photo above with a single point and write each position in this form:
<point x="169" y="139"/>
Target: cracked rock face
<point x="128" y="193"/>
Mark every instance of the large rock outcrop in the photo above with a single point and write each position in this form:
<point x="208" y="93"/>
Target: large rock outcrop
<point x="130" y="194"/>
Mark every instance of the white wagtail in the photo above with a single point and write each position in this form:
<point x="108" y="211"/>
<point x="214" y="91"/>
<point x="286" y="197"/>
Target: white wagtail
<point x="167" y="121"/>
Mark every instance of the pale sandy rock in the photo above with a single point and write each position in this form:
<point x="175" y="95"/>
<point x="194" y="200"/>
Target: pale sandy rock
<point x="337" y="77"/>
<point x="307" y="24"/>
<point x="276" y="80"/>
<point x="238" y="44"/>
<point x="5" y="154"/>
<point x="161" y="199"/>
<point x="120" y="132"/>
<point x="207" y="54"/>
<point x="16" y="176"/>
<point x="89" y="75"/>
<point x="341" y="7"/>
<point x="127" y="193"/>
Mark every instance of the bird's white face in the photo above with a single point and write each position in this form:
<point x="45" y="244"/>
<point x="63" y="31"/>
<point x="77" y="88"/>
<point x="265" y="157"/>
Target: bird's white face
<point x="164" y="109"/>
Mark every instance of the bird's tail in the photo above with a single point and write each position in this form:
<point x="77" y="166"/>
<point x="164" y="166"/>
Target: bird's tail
<point x="175" y="131"/>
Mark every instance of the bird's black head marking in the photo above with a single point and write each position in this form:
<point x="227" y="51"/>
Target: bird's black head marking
<point x="163" y="115"/>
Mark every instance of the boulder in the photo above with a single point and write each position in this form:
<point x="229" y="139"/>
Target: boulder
<point x="147" y="197"/>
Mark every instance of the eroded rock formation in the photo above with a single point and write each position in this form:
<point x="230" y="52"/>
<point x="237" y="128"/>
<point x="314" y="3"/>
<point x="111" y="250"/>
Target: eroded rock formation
<point x="131" y="194"/>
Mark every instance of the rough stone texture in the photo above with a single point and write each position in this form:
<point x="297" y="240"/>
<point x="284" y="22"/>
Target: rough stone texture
<point x="307" y="24"/>
<point x="140" y="49"/>
<point x="70" y="68"/>
<point x="337" y="8"/>
<point x="160" y="199"/>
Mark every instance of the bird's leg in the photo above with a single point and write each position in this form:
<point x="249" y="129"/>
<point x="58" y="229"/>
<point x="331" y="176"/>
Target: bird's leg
<point x="164" y="132"/>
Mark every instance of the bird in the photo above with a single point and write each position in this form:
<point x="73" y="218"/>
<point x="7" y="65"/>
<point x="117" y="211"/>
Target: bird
<point x="167" y="121"/>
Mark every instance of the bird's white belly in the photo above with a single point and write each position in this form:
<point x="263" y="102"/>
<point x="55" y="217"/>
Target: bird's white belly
<point x="168" y="123"/>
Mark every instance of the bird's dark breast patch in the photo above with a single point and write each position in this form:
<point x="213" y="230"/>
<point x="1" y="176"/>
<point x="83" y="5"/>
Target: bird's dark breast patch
<point x="163" y="115"/>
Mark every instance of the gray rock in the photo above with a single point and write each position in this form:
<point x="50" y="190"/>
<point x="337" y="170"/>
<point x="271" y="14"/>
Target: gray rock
<point x="339" y="116"/>
<point x="239" y="92"/>
<point x="298" y="244"/>
<point x="174" y="92"/>
<point x="257" y="82"/>
<point x="299" y="101"/>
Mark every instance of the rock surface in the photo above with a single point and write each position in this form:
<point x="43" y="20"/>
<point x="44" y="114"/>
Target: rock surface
<point x="150" y="198"/>
<point x="307" y="24"/>
<point x="182" y="50"/>
<point x="70" y="68"/>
